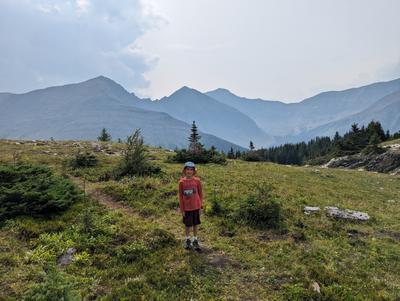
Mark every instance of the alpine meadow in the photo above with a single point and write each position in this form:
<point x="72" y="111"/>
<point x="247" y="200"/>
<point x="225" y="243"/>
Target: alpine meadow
<point x="199" y="150"/>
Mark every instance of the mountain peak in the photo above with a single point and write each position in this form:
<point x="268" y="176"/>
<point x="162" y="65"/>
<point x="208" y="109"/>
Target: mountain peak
<point x="184" y="91"/>
<point x="222" y="90"/>
<point x="101" y="79"/>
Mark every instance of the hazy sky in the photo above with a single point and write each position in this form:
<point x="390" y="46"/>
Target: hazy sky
<point x="284" y="50"/>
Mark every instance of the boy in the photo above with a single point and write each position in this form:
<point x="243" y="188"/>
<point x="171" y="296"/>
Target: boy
<point x="190" y="203"/>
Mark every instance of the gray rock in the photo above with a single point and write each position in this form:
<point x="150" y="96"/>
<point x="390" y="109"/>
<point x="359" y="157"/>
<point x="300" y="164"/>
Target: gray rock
<point x="315" y="287"/>
<point x="67" y="257"/>
<point x="388" y="162"/>
<point x="308" y="209"/>
<point x="346" y="214"/>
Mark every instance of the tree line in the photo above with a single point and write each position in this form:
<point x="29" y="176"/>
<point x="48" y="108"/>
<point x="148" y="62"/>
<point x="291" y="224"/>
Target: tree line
<point x="357" y="139"/>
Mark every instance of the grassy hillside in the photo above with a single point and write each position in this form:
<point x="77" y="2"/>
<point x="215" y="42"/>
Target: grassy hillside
<point x="128" y="234"/>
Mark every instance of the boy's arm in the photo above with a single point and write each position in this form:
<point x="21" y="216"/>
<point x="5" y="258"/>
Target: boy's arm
<point x="200" y="189"/>
<point x="180" y="198"/>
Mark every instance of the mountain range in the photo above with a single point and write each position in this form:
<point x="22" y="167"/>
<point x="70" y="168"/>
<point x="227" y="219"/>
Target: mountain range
<point x="79" y="111"/>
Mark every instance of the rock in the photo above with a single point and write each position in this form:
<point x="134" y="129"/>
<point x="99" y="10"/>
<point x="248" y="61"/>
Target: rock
<point x="96" y="147"/>
<point x="308" y="209"/>
<point x="315" y="287"/>
<point x="67" y="257"/>
<point x="346" y="214"/>
<point x="387" y="162"/>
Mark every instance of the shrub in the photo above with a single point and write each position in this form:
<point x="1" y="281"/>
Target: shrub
<point x="132" y="252"/>
<point x="33" y="190"/>
<point x="203" y="156"/>
<point x="215" y="209"/>
<point x="262" y="211"/>
<point x="160" y="238"/>
<point x="82" y="160"/>
<point x="135" y="161"/>
<point x="252" y="156"/>
<point x="56" y="286"/>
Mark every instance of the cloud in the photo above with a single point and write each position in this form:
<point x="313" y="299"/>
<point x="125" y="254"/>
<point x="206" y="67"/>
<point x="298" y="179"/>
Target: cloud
<point x="45" y="42"/>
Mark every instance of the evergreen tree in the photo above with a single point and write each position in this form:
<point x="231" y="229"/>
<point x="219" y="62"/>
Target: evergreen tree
<point x="238" y="154"/>
<point x="195" y="147"/>
<point x="387" y="137"/>
<point x="375" y="127"/>
<point x="251" y="146"/>
<point x="134" y="161"/>
<point x="104" y="135"/>
<point x="355" y="128"/>
<point x="231" y="153"/>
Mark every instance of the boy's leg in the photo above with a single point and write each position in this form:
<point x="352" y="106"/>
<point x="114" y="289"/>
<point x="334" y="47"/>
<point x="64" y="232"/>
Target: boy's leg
<point x="188" y="243"/>
<point x="195" y="242"/>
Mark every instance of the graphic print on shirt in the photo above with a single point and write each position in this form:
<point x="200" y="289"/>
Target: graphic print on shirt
<point x="189" y="192"/>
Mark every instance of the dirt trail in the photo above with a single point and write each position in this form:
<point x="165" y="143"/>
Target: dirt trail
<point x="215" y="258"/>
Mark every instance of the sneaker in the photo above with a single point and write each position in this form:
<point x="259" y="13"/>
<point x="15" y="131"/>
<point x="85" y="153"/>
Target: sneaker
<point x="188" y="244"/>
<point x="196" y="245"/>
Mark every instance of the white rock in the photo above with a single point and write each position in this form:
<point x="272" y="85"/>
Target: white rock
<point x="315" y="287"/>
<point x="346" y="213"/>
<point x="308" y="209"/>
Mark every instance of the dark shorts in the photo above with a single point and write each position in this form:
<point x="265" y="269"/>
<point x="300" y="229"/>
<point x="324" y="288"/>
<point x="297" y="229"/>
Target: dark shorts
<point x="191" y="218"/>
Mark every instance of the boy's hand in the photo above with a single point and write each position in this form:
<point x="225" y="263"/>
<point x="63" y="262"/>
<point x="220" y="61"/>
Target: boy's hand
<point x="183" y="213"/>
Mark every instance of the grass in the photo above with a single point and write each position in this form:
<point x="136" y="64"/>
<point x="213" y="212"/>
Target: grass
<point x="395" y="141"/>
<point x="118" y="257"/>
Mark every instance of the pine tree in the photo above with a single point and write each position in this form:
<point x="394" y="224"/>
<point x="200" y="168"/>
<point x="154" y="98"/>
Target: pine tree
<point x="387" y="135"/>
<point x="134" y="161"/>
<point x="231" y="153"/>
<point x="238" y="154"/>
<point x="355" y="128"/>
<point x="251" y="146"/>
<point x="195" y="146"/>
<point x="104" y="135"/>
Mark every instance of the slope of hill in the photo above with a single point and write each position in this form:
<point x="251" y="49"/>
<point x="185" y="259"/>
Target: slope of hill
<point x="127" y="236"/>
<point x="281" y="119"/>
<point x="386" y="110"/>
<point x="211" y="116"/>
<point x="80" y="111"/>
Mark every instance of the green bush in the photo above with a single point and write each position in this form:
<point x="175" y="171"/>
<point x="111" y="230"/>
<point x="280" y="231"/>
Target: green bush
<point x="203" y="156"/>
<point x="216" y="208"/>
<point x="135" y="159"/>
<point x="33" y="190"/>
<point x="160" y="238"/>
<point x="132" y="252"/>
<point x="252" y="156"/>
<point x="56" y="286"/>
<point x="262" y="211"/>
<point x="82" y="160"/>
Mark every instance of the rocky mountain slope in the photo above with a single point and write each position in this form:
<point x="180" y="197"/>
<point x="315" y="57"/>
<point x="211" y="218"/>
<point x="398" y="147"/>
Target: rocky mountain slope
<point x="79" y="111"/>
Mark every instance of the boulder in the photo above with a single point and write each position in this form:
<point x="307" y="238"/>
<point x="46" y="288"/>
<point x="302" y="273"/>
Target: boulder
<point x="346" y="214"/>
<point x="387" y="162"/>
<point x="67" y="257"/>
<point x="308" y="209"/>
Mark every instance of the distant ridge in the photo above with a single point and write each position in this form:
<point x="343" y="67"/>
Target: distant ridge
<point x="79" y="111"/>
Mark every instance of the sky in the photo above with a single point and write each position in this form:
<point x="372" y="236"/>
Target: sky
<point x="283" y="50"/>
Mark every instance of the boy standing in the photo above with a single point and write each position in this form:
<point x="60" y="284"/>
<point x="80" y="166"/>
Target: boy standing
<point x="190" y="203"/>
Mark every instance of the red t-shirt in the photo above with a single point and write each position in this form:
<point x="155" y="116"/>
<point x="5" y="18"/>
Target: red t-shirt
<point x="190" y="194"/>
